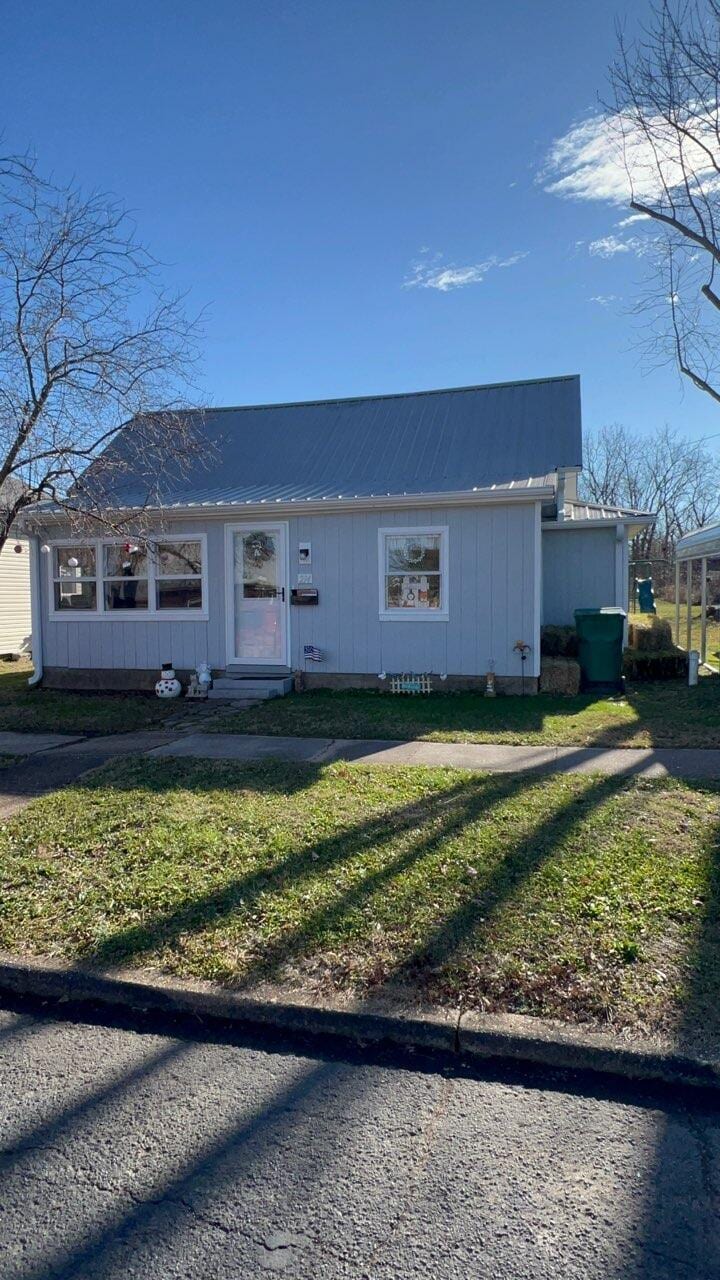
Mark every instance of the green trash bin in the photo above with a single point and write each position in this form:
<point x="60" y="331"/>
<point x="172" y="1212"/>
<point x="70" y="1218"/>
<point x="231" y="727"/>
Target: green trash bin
<point x="600" y="642"/>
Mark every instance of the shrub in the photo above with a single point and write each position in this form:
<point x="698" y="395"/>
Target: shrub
<point x="558" y="642"/>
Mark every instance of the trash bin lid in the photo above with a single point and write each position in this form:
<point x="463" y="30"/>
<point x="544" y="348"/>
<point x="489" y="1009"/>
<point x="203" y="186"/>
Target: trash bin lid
<point x="583" y="613"/>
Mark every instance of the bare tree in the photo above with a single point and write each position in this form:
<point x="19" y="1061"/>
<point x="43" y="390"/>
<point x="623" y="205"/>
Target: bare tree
<point x="666" y="108"/>
<point x="666" y="473"/>
<point x="89" y="341"/>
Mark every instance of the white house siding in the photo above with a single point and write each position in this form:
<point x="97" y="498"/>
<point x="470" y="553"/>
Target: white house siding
<point x="15" y="626"/>
<point x="579" y="572"/>
<point x="493" y="588"/>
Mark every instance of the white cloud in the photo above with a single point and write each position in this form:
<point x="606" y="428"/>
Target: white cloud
<point x="597" y="156"/>
<point x="609" y="246"/>
<point x="434" y="275"/>
<point x="634" y="217"/>
<point x="605" y="299"/>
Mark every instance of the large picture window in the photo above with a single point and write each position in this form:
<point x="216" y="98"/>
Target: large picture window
<point x="413" y="574"/>
<point x="143" y="579"/>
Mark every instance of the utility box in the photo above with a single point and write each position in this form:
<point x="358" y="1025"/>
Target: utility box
<point x="600" y="642"/>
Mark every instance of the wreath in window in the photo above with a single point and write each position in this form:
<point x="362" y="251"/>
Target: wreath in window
<point x="259" y="547"/>
<point x="414" y="552"/>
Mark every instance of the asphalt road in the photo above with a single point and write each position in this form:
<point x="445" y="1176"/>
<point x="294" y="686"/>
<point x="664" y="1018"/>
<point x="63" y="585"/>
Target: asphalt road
<point x="153" y="1156"/>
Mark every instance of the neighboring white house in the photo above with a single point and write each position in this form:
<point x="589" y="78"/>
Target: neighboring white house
<point x="349" y="539"/>
<point x="15" y="627"/>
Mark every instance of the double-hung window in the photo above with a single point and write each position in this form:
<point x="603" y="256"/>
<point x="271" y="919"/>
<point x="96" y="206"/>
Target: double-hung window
<point x="132" y="579"/>
<point x="125" y="579"/>
<point x="414" y="574"/>
<point x="178" y="575"/>
<point x="74" y="578"/>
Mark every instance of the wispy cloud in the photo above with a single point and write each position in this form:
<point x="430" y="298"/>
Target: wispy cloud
<point x="609" y="246"/>
<point x="634" y="217"/>
<point x="598" y="157"/>
<point x="605" y="299"/>
<point x="434" y="274"/>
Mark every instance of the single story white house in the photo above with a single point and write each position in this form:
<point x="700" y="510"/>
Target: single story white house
<point x="347" y="539"/>
<point x="15" y="626"/>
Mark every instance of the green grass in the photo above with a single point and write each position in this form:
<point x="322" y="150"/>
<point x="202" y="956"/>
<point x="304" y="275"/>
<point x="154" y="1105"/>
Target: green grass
<point x="666" y="609"/>
<point x="584" y="898"/>
<point x="657" y="714"/>
<point x="51" y="711"/>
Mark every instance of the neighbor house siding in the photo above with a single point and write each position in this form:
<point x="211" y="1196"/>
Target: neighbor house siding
<point x="15" y="626"/>
<point x="492" y="601"/>
<point x="579" y="572"/>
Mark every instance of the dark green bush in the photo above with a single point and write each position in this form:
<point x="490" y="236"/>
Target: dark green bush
<point x="558" y="642"/>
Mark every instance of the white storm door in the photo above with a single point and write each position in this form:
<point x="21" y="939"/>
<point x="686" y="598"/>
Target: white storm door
<point x="257" y="595"/>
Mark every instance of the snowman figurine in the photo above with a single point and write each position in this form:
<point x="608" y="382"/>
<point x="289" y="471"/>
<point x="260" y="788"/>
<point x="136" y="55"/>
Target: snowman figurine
<point x="168" y="686"/>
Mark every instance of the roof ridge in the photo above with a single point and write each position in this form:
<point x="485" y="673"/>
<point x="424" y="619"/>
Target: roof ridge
<point x="387" y="395"/>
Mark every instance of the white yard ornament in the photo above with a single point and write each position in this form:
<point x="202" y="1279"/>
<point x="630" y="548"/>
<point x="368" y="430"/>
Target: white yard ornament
<point x="168" y="686"/>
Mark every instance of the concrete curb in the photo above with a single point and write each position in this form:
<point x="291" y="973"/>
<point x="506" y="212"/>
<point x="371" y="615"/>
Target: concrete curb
<point x="472" y="1037"/>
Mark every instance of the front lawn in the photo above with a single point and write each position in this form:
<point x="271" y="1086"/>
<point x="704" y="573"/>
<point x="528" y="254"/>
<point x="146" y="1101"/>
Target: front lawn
<point x="56" y="711"/>
<point x="585" y="898"/>
<point x="663" y="714"/>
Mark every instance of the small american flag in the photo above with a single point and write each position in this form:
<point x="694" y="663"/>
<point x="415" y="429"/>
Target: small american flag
<point x="312" y="653"/>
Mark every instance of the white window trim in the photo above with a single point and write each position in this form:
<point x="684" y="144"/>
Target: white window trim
<point x="152" y="613"/>
<point x="416" y="615"/>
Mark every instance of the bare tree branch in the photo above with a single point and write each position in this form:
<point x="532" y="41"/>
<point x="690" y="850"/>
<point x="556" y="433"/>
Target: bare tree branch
<point x="89" y="342"/>
<point x="665" y="107"/>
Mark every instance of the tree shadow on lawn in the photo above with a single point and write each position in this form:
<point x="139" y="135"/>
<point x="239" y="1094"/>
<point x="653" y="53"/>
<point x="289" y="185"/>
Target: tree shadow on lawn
<point x="423" y="826"/>
<point x="678" y="1223"/>
<point x="191" y="1184"/>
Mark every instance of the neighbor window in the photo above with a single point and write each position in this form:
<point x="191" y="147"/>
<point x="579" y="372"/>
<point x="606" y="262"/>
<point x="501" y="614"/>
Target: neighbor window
<point x="413" y="574"/>
<point x="75" y="578"/>
<point x="125" y="576"/>
<point x="178" y="575"/>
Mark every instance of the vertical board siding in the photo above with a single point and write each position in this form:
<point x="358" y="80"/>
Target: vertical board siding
<point x="491" y="601"/>
<point x="578" y="572"/>
<point x="15" y="623"/>
<point x="492" y="588"/>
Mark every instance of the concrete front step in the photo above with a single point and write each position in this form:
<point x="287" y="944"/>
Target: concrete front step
<point x="242" y="695"/>
<point x="252" y="686"/>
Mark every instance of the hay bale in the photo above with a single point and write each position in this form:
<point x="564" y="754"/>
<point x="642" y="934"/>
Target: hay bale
<point x="653" y="636"/>
<point x="560" y="675"/>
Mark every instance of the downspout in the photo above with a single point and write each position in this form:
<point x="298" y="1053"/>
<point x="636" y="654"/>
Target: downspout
<point x="560" y="495"/>
<point x="35" y="612"/>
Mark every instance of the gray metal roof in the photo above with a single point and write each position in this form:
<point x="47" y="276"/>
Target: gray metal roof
<point x="579" y="510"/>
<point x="501" y="435"/>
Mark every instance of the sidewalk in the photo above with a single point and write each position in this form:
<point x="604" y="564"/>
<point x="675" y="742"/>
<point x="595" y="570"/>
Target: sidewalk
<point x="639" y="763"/>
<point x="54" y="760"/>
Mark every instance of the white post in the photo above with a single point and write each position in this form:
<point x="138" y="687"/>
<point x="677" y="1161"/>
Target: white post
<point x="703" y="610"/>
<point x="688" y="646"/>
<point x="677" y="602"/>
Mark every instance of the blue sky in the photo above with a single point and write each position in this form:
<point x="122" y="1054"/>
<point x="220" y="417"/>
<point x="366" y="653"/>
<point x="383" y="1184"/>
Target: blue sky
<point x="355" y="190"/>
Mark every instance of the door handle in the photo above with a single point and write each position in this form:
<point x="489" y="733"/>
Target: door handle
<point x="282" y="594"/>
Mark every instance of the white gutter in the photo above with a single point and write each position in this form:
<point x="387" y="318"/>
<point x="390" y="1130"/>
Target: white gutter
<point x="35" y="612"/>
<point x="311" y="506"/>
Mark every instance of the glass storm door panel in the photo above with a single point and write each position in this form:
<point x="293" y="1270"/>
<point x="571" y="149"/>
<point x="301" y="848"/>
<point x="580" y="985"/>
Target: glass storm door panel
<point x="259" y="594"/>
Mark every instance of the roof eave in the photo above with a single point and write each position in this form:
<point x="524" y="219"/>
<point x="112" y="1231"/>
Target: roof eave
<point x="314" y="506"/>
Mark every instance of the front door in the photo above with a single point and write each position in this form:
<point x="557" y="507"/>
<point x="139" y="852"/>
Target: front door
<point x="256" y="559"/>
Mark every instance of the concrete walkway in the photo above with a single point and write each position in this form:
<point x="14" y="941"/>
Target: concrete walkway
<point x="54" y="760"/>
<point x="643" y="763"/>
